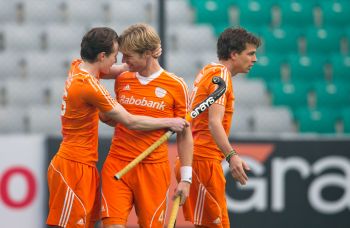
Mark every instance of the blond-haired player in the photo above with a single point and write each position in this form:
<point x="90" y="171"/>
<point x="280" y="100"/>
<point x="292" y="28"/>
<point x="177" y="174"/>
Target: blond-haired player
<point x="146" y="88"/>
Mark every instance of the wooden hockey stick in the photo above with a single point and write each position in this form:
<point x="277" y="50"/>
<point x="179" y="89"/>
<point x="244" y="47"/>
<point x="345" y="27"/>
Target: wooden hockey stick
<point x="174" y="210"/>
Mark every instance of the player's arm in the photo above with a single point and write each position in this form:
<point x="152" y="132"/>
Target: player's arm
<point x="184" y="142"/>
<point x="105" y="119"/>
<point x="146" y="123"/>
<point x="115" y="71"/>
<point x="237" y="165"/>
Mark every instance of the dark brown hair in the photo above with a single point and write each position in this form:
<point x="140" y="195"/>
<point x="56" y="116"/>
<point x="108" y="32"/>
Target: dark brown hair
<point x="97" y="40"/>
<point x="234" y="39"/>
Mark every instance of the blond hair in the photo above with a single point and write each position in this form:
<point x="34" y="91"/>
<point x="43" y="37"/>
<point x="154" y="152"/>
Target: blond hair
<point x="139" y="38"/>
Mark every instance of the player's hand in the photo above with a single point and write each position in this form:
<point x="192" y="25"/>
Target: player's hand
<point x="158" y="52"/>
<point x="125" y="67"/>
<point x="178" y="124"/>
<point x="182" y="190"/>
<point x="238" y="168"/>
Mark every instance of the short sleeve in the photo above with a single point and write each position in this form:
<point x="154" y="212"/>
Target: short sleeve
<point x="98" y="96"/>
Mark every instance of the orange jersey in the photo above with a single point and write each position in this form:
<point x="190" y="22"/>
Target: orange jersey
<point x="204" y="144"/>
<point x="83" y="97"/>
<point x="161" y="95"/>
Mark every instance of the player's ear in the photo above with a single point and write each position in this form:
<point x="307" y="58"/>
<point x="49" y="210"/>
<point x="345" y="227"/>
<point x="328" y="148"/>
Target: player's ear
<point x="157" y="52"/>
<point x="148" y="53"/>
<point x="101" y="56"/>
<point x="233" y="55"/>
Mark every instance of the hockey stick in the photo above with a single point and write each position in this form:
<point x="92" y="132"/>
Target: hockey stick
<point x="193" y="114"/>
<point x="174" y="210"/>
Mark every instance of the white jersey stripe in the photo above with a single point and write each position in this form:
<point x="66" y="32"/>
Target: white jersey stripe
<point x="70" y="191"/>
<point x="107" y="94"/>
<point x="167" y="205"/>
<point x="64" y="208"/>
<point x="105" y="204"/>
<point x="184" y="89"/>
<point x="200" y="217"/>
<point x="223" y="75"/>
<point x="199" y="205"/>
<point x="70" y="204"/>
<point x="154" y="214"/>
<point x="98" y="88"/>
<point x="196" y="207"/>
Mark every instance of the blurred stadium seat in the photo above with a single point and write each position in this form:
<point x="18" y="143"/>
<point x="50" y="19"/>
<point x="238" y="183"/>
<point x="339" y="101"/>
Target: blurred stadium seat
<point x="242" y="121"/>
<point x="22" y="38"/>
<point x="297" y="13"/>
<point x="198" y="38"/>
<point x="25" y="93"/>
<point x="323" y="40"/>
<point x="250" y="93"/>
<point x="12" y="120"/>
<point x="47" y="65"/>
<point x="332" y="94"/>
<point x="272" y="120"/>
<point x="268" y="66"/>
<point x="11" y="65"/>
<point x="340" y="68"/>
<point x="335" y="13"/>
<point x="131" y="11"/>
<point x="11" y="11"/>
<point x="43" y="12"/>
<point x="55" y="90"/>
<point x="86" y="12"/>
<point x="284" y="38"/>
<point x="178" y="12"/>
<point x="211" y="11"/>
<point x="64" y="38"/>
<point x="254" y="12"/>
<point x="307" y="67"/>
<point x="345" y="116"/>
<point x="321" y="120"/>
<point x="44" y="119"/>
<point x="347" y="38"/>
<point x="291" y="94"/>
<point x="184" y="65"/>
<point x="206" y="58"/>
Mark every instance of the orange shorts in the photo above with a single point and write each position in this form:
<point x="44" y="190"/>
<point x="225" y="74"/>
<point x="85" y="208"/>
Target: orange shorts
<point x="206" y="204"/>
<point x="146" y="187"/>
<point x="74" y="194"/>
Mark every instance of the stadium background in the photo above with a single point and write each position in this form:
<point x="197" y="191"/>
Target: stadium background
<point x="292" y="119"/>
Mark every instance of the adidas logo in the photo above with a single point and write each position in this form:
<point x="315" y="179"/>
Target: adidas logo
<point x="80" y="222"/>
<point x="127" y="87"/>
<point x="217" y="221"/>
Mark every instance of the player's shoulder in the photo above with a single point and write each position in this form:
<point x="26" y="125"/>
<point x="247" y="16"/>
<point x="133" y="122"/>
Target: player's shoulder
<point x="127" y="74"/>
<point x="213" y="67"/>
<point x="173" y="78"/>
<point x="76" y="73"/>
